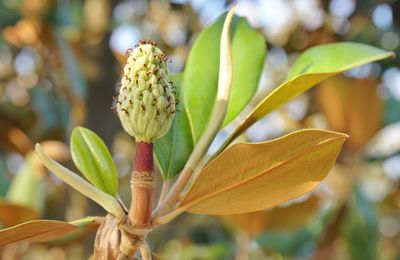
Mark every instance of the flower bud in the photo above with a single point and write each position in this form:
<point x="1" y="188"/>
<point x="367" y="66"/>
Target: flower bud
<point x="146" y="98"/>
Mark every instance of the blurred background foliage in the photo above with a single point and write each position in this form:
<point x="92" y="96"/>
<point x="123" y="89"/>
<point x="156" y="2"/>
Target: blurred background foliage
<point x="59" y="64"/>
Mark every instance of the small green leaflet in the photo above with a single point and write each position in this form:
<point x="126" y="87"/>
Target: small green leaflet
<point x="93" y="159"/>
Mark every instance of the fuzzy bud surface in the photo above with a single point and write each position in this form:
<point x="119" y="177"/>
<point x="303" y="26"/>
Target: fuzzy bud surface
<point x="146" y="100"/>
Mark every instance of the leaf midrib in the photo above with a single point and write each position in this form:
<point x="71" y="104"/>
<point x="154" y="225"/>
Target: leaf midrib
<point x="99" y="176"/>
<point x="290" y="159"/>
<point x="38" y="234"/>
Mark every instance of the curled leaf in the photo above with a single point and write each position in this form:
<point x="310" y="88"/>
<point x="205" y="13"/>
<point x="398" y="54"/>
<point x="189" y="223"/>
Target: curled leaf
<point x="199" y="91"/>
<point x="217" y="116"/>
<point x="196" y="159"/>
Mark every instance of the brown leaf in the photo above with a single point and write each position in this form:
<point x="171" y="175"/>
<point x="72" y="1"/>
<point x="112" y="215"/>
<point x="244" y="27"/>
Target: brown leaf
<point x="289" y="217"/>
<point x="351" y="106"/>
<point x="253" y="223"/>
<point x="41" y="230"/>
<point x="250" y="177"/>
<point x="13" y="214"/>
<point x="294" y="216"/>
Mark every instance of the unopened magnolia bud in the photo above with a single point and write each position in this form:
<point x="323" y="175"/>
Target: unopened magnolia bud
<point x="146" y="98"/>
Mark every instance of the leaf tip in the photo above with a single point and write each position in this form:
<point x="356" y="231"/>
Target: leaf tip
<point x="77" y="129"/>
<point x="343" y="136"/>
<point x="39" y="150"/>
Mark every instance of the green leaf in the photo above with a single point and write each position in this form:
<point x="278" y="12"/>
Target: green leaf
<point x="26" y="188"/>
<point x="174" y="148"/>
<point x="200" y="80"/>
<point x="92" y="158"/>
<point x="335" y="57"/>
<point x="313" y="66"/>
<point x="105" y="200"/>
<point x="4" y="182"/>
<point x="248" y="54"/>
<point x="360" y="228"/>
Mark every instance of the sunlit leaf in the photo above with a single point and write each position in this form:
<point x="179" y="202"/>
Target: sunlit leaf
<point x="200" y="80"/>
<point x="92" y="158"/>
<point x="250" y="177"/>
<point x="359" y="117"/>
<point x="42" y="230"/>
<point x="312" y="67"/>
<point x="174" y="148"/>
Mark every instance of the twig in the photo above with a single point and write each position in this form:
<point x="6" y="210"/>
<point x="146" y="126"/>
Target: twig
<point x="164" y="190"/>
<point x="145" y="251"/>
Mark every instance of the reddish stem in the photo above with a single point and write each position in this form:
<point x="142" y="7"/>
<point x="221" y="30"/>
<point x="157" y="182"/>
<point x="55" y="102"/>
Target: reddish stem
<point x="142" y="186"/>
<point x="144" y="157"/>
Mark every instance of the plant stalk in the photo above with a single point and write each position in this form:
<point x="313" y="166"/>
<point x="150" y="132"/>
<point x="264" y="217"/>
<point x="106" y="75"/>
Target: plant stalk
<point x="142" y="191"/>
<point x="142" y="186"/>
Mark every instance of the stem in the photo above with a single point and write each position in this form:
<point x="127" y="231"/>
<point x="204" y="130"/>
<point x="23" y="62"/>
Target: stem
<point x="121" y="202"/>
<point x="164" y="190"/>
<point x="142" y="186"/>
<point x="214" y="123"/>
<point x="145" y="251"/>
<point x="173" y="195"/>
<point x="242" y="246"/>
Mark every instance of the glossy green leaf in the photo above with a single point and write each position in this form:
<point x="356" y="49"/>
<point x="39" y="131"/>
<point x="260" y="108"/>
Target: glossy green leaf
<point x="43" y="230"/>
<point x="200" y="80"/>
<point x="313" y="66"/>
<point x="174" y="148"/>
<point x="248" y="54"/>
<point x="93" y="159"/>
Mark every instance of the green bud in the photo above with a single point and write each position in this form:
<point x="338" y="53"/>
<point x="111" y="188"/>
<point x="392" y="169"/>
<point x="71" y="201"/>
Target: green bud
<point x="146" y="98"/>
